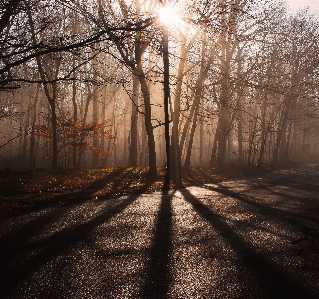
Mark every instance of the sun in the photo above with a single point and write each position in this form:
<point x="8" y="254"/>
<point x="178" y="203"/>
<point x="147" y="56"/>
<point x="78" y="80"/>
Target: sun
<point x="168" y="16"/>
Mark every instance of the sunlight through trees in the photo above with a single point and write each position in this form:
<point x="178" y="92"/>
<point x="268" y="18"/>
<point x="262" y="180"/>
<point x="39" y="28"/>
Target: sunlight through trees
<point x="85" y="84"/>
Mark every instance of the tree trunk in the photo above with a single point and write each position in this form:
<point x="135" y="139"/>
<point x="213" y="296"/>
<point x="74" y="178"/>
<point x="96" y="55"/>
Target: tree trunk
<point x="166" y="106"/>
<point x="149" y="127"/>
<point x="75" y="119"/>
<point x="221" y="142"/>
<point x="134" y="120"/>
<point x="50" y="97"/>
<point x="176" y="143"/>
<point x="240" y="140"/>
<point x="32" y="163"/>
<point x="289" y="103"/>
<point x="95" y="155"/>
<point x="201" y="144"/>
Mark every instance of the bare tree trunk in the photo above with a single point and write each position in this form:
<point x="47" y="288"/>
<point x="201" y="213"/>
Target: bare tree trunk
<point x="102" y="161"/>
<point x="289" y="104"/>
<point x="54" y="134"/>
<point x="201" y="144"/>
<point x="221" y="139"/>
<point x="74" y="103"/>
<point x="176" y="143"/>
<point x="25" y="134"/>
<point x="134" y="120"/>
<point x="204" y="67"/>
<point x="240" y="140"/>
<point x="75" y="119"/>
<point x="149" y="127"/>
<point x="190" y="141"/>
<point x="143" y="146"/>
<point x="213" y="157"/>
<point x="32" y="163"/>
<point x="51" y="97"/>
<point x="263" y="130"/>
<point x="251" y="142"/>
<point x="95" y="155"/>
<point x="166" y="106"/>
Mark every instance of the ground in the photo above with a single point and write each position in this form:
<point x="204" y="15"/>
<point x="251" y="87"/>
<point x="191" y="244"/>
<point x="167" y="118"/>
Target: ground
<point x="250" y="237"/>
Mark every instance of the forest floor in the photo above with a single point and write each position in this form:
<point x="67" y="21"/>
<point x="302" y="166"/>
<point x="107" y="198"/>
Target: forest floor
<point x="21" y="190"/>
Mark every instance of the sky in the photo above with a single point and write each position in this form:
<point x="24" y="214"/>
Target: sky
<point x="296" y="4"/>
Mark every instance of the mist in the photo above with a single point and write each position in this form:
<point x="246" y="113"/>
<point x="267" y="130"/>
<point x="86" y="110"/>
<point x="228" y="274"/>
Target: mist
<point x="82" y="85"/>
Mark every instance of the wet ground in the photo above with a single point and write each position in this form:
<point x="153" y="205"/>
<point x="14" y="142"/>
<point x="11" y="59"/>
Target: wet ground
<point x="256" y="237"/>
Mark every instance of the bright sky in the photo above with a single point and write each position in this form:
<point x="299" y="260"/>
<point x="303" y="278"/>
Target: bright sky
<point x="296" y="4"/>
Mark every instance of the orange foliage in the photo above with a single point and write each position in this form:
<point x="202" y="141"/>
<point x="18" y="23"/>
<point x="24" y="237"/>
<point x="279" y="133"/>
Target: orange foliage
<point x="74" y="133"/>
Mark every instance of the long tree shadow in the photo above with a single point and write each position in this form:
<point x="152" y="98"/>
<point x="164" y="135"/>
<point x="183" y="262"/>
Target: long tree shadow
<point x="20" y="256"/>
<point x="22" y="233"/>
<point x="297" y="186"/>
<point x="295" y="179"/>
<point x="118" y="181"/>
<point x="45" y="200"/>
<point x="158" y="272"/>
<point x="258" y="205"/>
<point x="272" y="282"/>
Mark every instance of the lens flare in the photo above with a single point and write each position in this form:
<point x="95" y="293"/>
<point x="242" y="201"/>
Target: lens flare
<point x="168" y="16"/>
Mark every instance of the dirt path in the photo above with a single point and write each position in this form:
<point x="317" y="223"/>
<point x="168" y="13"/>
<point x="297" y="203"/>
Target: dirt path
<point x="249" y="238"/>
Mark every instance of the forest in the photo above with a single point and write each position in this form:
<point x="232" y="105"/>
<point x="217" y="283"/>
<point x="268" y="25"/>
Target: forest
<point x="154" y="83"/>
<point x="159" y="149"/>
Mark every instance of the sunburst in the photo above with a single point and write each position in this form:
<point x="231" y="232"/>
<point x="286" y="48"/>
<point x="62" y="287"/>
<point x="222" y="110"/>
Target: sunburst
<point x="168" y="16"/>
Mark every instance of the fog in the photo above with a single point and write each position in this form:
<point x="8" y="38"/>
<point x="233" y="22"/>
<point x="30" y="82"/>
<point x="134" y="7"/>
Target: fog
<point x="82" y="85"/>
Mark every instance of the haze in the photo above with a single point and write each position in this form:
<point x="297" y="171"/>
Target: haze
<point x="297" y="4"/>
<point x="110" y="87"/>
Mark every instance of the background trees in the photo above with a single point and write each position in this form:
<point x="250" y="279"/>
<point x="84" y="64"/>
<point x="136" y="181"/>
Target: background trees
<point x="82" y="84"/>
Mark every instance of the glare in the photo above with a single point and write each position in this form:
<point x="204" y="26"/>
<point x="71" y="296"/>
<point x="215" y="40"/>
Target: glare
<point x="168" y="16"/>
